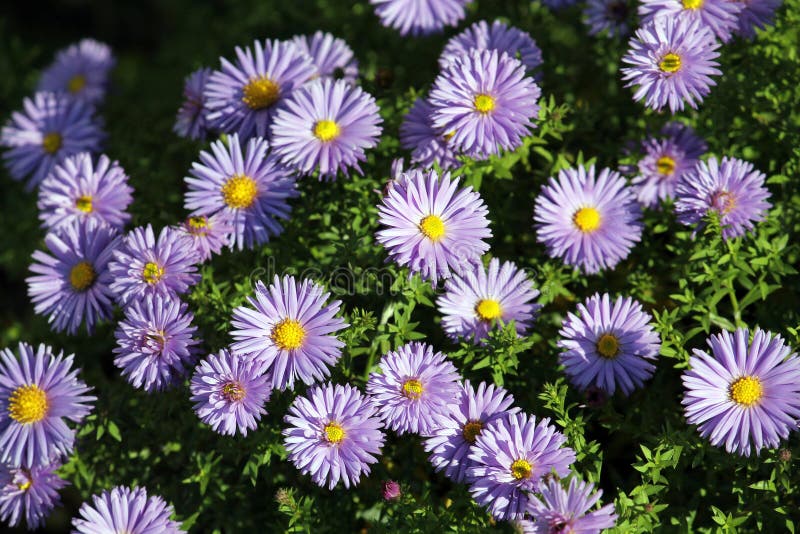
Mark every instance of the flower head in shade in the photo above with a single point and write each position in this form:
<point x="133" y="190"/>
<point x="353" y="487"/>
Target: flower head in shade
<point x="209" y="234"/>
<point x="242" y="97"/>
<point x="745" y="395"/>
<point x="229" y="392"/>
<point x="250" y="185"/>
<point x="510" y="459"/>
<point x="71" y="284"/>
<point x="432" y="226"/>
<point x="291" y="329"/>
<point x="414" y="386"/>
<point x="610" y="16"/>
<point x="331" y="56"/>
<point x="333" y="435"/>
<point x="485" y="99"/>
<point x="671" y="62"/>
<point x="29" y="493"/>
<point x="78" y="190"/>
<point x="39" y="393"/>
<point x="559" y="510"/>
<point x="610" y="346"/>
<point x="719" y="16"/>
<point x="589" y="221"/>
<point x="80" y="71"/>
<point x="756" y="14"/>
<point x="429" y="146"/>
<point x="457" y="429"/>
<point x="326" y="125"/>
<point x="144" y="265"/>
<point x="419" y="17"/>
<point x="500" y="37"/>
<point x="155" y="347"/>
<point x="49" y="128"/>
<point x="666" y="159"/>
<point x="475" y="301"/>
<point x="126" y="510"/>
<point x="191" y="121"/>
<point x="557" y="5"/>
<point x="731" y="188"/>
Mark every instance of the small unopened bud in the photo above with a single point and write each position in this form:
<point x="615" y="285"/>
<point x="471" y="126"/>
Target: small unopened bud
<point x="391" y="490"/>
<point x="283" y="497"/>
<point x="785" y="455"/>
<point x="648" y="508"/>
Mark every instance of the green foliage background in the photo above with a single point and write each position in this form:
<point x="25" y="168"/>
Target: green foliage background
<point x="640" y="450"/>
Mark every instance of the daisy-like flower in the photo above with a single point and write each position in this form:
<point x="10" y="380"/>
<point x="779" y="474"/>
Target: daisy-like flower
<point x="589" y="221"/>
<point x="419" y="17"/>
<point x="333" y="435"/>
<point x="326" y="125"/>
<point x="291" y="330"/>
<point x="500" y="37"/>
<point x="744" y="395"/>
<point x="414" y="386"/>
<point x="331" y="56"/>
<point x="241" y="97"/>
<point x="126" y="510"/>
<point x="250" y="185"/>
<point x="209" y="234"/>
<point x="485" y="99"/>
<point x="429" y="146"/>
<point x="475" y="301"/>
<point x="457" y="429"/>
<point x="511" y="457"/>
<point x="50" y="127"/>
<point x="719" y="16"/>
<point x="229" y="392"/>
<point x="78" y="190"/>
<point x="672" y="61"/>
<point x="610" y="346"/>
<point x="731" y="188"/>
<point x="71" y="284"/>
<point x="562" y="511"/>
<point x="80" y="71"/>
<point x="39" y="393"/>
<point x="29" y="493"/>
<point x="756" y="14"/>
<point x="610" y="16"/>
<point x="155" y="348"/>
<point x="666" y="159"/>
<point x="432" y="226"/>
<point x="191" y="121"/>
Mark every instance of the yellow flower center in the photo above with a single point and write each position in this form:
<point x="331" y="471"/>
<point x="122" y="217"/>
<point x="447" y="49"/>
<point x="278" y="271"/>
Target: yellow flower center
<point x="334" y="432"/>
<point x="76" y="83"/>
<point x="24" y="486"/>
<point x="587" y="220"/>
<point x="432" y="227"/>
<point x="449" y="135"/>
<point x="521" y="469"/>
<point x="412" y="388"/>
<point x="152" y="272"/>
<point x="198" y="222"/>
<point x="484" y="103"/>
<point x="665" y="165"/>
<point x="488" y="309"/>
<point x="608" y="346"/>
<point x="240" y="191"/>
<point x="326" y="130"/>
<point x="670" y="63"/>
<point x="723" y="202"/>
<point x="471" y="431"/>
<point x="692" y="4"/>
<point x="27" y="404"/>
<point x="82" y="275"/>
<point x="84" y="203"/>
<point x="233" y="391"/>
<point x="51" y="142"/>
<point x="288" y="334"/>
<point x="260" y="93"/>
<point x="746" y="391"/>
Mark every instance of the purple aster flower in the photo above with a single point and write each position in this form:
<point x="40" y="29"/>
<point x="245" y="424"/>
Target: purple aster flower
<point x="209" y="234"/>
<point x="71" y="284"/>
<point x="500" y="37"/>
<point x="242" y="97"/>
<point x="510" y="459"/>
<point x="745" y="395"/>
<point x="80" y="71"/>
<point x="610" y="346"/>
<point x="29" y="493"/>
<point x="326" y="125"/>
<point x="143" y="265"/>
<point x="229" y="392"/>
<point x="667" y="158"/>
<point x="672" y="61"/>
<point x="429" y="146"/>
<point x="78" y="190"/>
<point x="564" y="511"/>
<point x="391" y="491"/>
<point x="731" y="188"/>
<point x="419" y="17"/>
<point x="610" y="16"/>
<point x="251" y="186"/>
<point x="432" y="226"/>
<point x="126" y="510"/>
<point x="50" y="128"/>
<point x="39" y="393"/>
<point x="414" y="386"/>
<point x="590" y="222"/>
<point x="719" y="16"/>
<point x="155" y="348"/>
<point x="333" y="434"/>
<point x="486" y="101"/>
<point x="191" y="121"/>
<point x="331" y="56"/>
<point x="475" y="301"/>
<point x="457" y="429"/>
<point x="756" y="14"/>
<point x="291" y="330"/>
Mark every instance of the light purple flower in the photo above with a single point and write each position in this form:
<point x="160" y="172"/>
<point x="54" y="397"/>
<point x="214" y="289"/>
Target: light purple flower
<point x="429" y="146"/>
<point x="331" y="56"/>
<point x="126" y="510"/>
<point x="500" y="37"/>
<point x="191" y="121"/>
<point x="610" y="16"/>
<point x="419" y="17"/>
<point x="565" y="511"/>
<point x="29" y="493"/>
<point x="80" y="71"/>
<point x="209" y="234"/>
<point x="756" y="14"/>
<point x="719" y="16"/>
<point x="391" y="491"/>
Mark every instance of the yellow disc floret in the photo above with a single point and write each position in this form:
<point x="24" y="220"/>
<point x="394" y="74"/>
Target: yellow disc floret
<point x="233" y="391"/>
<point x="27" y="404"/>
<point x="288" y="334"/>
<point x="82" y="276"/>
<point x="670" y="63"/>
<point x="51" y="142"/>
<point x="334" y="432"/>
<point x="488" y="309"/>
<point x="484" y="103"/>
<point x="587" y="220"/>
<point x="521" y="469"/>
<point x="25" y="486"/>
<point x="746" y="391"/>
<point x="665" y="165"/>
<point x="239" y="191"/>
<point x="84" y="203"/>
<point x="432" y="227"/>
<point x="471" y="431"/>
<point x="260" y="93"/>
<point x="152" y="272"/>
<point x="608" y="346"/>
<point x="692" y="4"/>
<point x="326" y="130"/>
<point x="412" y="388"/>
<point x="723" y="202"/>
<point x="76" y="83"/>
